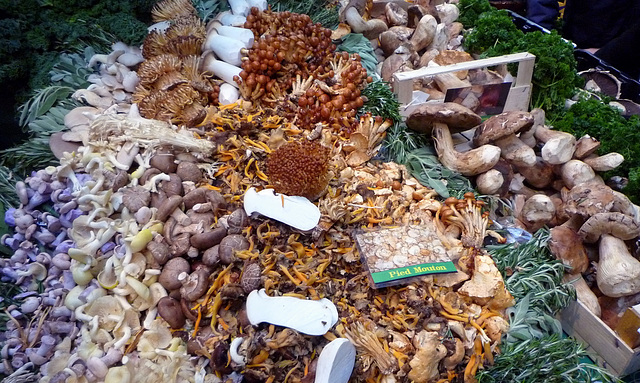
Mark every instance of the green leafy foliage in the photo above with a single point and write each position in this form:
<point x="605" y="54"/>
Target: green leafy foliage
<point x="208" y="9"/>
<point x="34" y="32"/>
<point x="493" y="30"/>
<point x="357" y="43"/>
<point x="533" y="349"/>
<point x="324" y="12"/>
<point x="615" y="133"/>
<point x="548" y="359"/>
<point x="555" y="76"/>
<point x="470" y="11"/>
<point x="530" y="269"/>
<point x="380" y="101"/>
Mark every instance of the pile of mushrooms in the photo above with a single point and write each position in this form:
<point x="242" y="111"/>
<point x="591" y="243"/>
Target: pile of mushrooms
<point x="552" y="179"/>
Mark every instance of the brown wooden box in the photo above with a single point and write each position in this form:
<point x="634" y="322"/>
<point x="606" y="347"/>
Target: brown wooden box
<point x="604" y="345"/>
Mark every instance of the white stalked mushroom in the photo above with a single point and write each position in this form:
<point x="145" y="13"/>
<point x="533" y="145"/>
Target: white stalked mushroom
<point x="336" y="362"/>
<point x="311" y="317"/>
<point x="228" y="18"/>
<point x="260" y="4"/>
<point x="226" y="48"/>
<point x="294" y="211"/>
<point x="228" y="94"/>
<point x="243" y="35"/>
<point x="240" y="7"/>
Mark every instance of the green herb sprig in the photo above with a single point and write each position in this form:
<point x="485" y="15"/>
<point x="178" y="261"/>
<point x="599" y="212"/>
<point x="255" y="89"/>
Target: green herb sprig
<point x="530" y="269"/>
<point x="550" y="359"/>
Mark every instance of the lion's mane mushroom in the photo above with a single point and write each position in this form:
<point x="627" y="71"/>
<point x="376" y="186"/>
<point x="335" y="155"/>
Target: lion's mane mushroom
<point x="502" y="130"/>
<point x="429" y="352"/>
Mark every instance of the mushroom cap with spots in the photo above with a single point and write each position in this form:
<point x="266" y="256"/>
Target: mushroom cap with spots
<point x="457" y="117"/>
<point x="502" y="125"/>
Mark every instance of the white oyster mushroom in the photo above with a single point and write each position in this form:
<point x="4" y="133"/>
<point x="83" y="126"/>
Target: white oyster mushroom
<point x="311" y="317"/>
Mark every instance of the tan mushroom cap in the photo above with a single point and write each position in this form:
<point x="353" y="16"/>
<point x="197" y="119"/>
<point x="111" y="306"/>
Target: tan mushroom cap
<point x="457" y="117"/>
<point x="502" y="125"/>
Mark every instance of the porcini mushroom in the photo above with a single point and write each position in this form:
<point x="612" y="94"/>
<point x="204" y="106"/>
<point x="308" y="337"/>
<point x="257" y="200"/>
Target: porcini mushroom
<point x="354" y="13"/>
<point x="472" y="162"/>
<point x="502" y="130"/>
<point x="558" y="146"/>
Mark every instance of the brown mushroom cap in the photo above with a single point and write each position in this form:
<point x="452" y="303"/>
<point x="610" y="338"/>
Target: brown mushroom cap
<point x="457" y="117"/>
<point x="502" y="125"/>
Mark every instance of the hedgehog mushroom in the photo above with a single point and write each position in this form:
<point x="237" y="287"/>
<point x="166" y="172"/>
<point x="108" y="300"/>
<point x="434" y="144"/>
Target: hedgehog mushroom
<point x="443" y="118"/>
<point x="502" y="130"/>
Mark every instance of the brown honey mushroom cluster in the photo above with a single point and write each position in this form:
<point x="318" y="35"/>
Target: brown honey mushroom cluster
<point x="290" y="53"/>
<point x="299" y="168"/>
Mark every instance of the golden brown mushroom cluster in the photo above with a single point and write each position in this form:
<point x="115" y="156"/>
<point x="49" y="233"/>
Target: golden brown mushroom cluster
<point x="295" y="60"/>
<point x="299" y="168"/>
<point x="172" y="87"/>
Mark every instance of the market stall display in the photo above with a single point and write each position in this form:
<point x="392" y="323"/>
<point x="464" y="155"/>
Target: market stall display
<point x="201" y="222"/>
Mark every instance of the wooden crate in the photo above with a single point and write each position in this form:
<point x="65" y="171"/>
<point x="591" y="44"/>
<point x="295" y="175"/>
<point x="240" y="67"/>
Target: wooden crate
<point x="519" y="94"/>
<point x="604" y="345"/>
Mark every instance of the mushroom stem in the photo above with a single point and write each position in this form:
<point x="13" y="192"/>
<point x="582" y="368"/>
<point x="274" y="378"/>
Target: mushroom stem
<point x="370" y="29"/>
<point x="605" y="162"/>
<point x="559" y="146"/>
<point x="516" y="151"/>
<point x="470" y="163"/>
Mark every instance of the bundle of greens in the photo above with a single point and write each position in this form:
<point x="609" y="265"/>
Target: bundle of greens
<point x="615" y="133"/>
<point x="357" y="43"/>
<point x="470" y="10"/>
<point x="555" y="76"/>
<point x="33" y="33"/>
<point x="548" y="359"/>
<point x="324" y="12"/>
<point x="533" y="349"/>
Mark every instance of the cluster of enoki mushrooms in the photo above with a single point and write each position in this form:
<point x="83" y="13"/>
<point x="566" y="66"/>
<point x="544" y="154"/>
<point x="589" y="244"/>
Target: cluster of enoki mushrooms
<point x="170" y="248"/>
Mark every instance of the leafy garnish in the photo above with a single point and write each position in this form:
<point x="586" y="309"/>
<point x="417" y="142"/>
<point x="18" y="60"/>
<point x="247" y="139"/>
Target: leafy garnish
<point x="547" y="359"/>
<point x="357" y="43"/>
<point x="324" y="12"/>
<point x="530" y="269"/>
